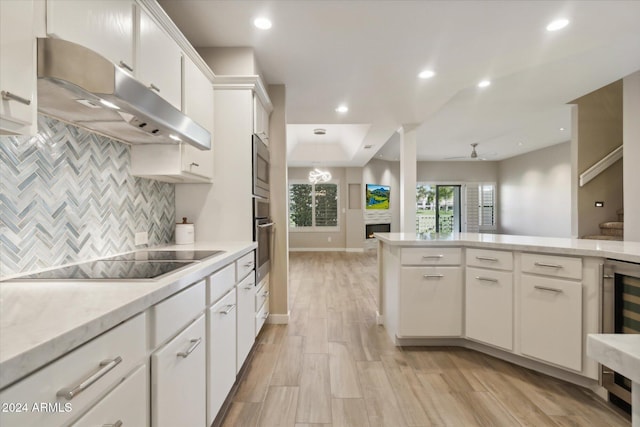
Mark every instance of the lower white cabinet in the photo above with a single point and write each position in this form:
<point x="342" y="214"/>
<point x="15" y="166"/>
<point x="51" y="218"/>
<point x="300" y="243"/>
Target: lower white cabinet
<point x="245" y="292"/>
<point x="262" y="304"/>
<point x="489" y="306"/>
<point x="551" y="320"/>
<point x="127" y="404"/>
<point x="178" y="383"/>
<point x="221" y="325"/>
<point x="430" y="302"/>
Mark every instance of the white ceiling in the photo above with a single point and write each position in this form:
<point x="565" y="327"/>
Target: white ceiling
<point x="367" y="54"/>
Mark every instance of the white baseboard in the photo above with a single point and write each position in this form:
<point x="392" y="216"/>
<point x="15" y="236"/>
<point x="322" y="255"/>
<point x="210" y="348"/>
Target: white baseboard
<point x="279" y="319"/>
<point x="354" y="250"/>
<point x="316" y="249"/>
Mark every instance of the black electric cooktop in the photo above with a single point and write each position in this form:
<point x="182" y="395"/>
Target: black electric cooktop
<point x="133" y="265"/>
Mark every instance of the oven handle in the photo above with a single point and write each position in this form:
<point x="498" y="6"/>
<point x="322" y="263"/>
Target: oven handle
<point x="267" y="225"/>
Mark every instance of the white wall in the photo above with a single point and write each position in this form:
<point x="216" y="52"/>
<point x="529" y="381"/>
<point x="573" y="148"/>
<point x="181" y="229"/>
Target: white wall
<point x="468" y="171"/>
<point x="534" y="193"/>
<point x="631" y="141"/>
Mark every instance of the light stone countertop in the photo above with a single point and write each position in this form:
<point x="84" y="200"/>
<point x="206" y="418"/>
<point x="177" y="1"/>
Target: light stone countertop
<point x="42" y="320"/>
<point x="620" y="352"/>
<point x="623" y="251"/>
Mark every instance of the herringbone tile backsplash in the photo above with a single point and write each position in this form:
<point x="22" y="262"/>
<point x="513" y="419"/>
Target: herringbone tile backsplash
<point x="67" y="195"/>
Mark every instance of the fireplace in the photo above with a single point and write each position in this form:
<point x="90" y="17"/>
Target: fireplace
<point x="375" y="228"/>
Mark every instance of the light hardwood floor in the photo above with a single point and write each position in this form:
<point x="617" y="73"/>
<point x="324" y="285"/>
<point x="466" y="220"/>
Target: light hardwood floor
<point x="333" y="366"/>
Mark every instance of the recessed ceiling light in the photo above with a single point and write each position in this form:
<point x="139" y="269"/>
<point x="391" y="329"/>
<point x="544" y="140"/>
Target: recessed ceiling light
<point x="342" y="109"/>
<point x="558" y="24"/>
<point x="426" y="74"/>
<point x="262" y="23"/>
<point x="484" y="83"/>
<point x="562" y="129"/>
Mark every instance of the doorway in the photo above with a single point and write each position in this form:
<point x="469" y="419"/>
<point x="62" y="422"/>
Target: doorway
<point x="438" y="208"/>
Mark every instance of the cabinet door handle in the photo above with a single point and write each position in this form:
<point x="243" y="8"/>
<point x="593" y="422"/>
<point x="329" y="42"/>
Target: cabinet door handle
<point x="8" y="96"/>
<point x="126" y="66"/>
<point x="433" y="276"/>
<point x="432" y="256"/>
<point x="194" y="164"/>
<point x="544" y="264"/>
<point x="487" y="279"/>
<point x="118" y="423"/>
<point x="194" y="343"/>
<point x="154" y="87"/>
<point x="487" y="258"/>
<point x="229" y="309"/>
<point x="105" y="367"/>
<point x="265" y="295"/>
<point x="545" y="288"/>
<point x="249" y="264"/>
<point x="248" y="288"/>
<point x="267" y="225"/>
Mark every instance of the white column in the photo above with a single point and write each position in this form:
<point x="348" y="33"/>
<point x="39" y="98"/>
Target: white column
<point x="631" y="144"/>
<point x="408" y="173"/>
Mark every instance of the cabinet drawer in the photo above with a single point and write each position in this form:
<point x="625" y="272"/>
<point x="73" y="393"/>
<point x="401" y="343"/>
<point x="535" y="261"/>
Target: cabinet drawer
<point x="262" y="316"/>
<point x="489" y="306"/>
<point x="552" y="265"/>
<point x="107" y="359"/>
<point x="128" y="404"/>
<point x="245" y="264"/>
<point x="551" y="320"/>
<point x="220" y="282"/>
<point x="500" y="260"/>
<point x="169" y="316"/>
<point x="431" y="256"/>
<point x="178" y="379"/>
<point x="262" y="295"/>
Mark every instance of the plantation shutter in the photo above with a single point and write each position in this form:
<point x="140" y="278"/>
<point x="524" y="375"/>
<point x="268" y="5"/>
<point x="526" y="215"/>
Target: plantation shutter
<point x="472" y="206"/>
<point x="487" y="205"/>
<point x="326" y="206"/>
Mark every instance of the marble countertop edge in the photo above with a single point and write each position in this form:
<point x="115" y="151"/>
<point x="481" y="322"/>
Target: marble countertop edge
<point x="620" y="352"/>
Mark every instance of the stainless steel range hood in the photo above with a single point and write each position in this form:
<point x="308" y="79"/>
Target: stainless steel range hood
<point x="78" y="86"/>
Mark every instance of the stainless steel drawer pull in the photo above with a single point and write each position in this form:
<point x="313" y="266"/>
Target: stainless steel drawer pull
<point x="248" y="288"/>
<point x="544" y="288"/>
<point x="126" y="66"/>
<point x="194" y="164"/>
<point x="486" y="279"/>
<point x="432" y="256"/>
<point x="487" y="258"/>
<point x="433" y="276"/>
<point x="544" y="264"/>
<point x="105" y="367"/>
<point x="118" y="423"/>
<point x="154" y="87"/>
<point x="249" y="264"/>
<point x="8" y="96"/>
<point x="265" y="295"/>
<point x="194" y="343"/>
<point x="229" y="309"/>
<point x="267" y="225"/>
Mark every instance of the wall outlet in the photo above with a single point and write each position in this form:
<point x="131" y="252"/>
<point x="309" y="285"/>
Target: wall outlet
<point x="329" y="239"/>
<point x="142" y="238"/>
<point x="599" y="204"/>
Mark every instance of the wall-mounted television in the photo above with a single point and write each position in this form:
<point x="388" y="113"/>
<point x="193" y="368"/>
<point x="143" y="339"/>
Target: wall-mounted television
<point x="377" y="196"/>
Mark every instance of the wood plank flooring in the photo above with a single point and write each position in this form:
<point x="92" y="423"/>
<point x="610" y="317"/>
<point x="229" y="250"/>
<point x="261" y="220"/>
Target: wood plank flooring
<point x="333" y="366"/>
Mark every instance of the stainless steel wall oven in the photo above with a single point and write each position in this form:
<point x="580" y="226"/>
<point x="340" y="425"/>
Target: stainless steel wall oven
<point x="620" y="315"/>
<point x="263" y="228"/>
<point x="260" y="168"/>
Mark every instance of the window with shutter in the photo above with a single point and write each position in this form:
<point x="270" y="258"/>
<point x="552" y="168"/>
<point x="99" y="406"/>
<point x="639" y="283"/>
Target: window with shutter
<point x="313" y="207"/>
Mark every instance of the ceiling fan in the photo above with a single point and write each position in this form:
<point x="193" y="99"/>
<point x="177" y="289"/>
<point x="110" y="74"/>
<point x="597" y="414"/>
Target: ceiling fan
<point x="473" y="155"/>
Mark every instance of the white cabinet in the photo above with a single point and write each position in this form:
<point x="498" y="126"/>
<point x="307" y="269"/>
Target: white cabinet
<point x="260" y="120"/>
<point x="551" y="320"/>
<point x="18" y="104"/>
<point x="262" y="304"/>
<point x="245" y="292"/>
<point x="221" y="325"/>
<point x="105" y="27"/>
<point x="78" y="379"/>
<point x="178" y="389"/>
<point x="159" y="62"/>
<point x="127" y="404"/>
<point x="489" y="306"/>
<point x="430" y="302"/>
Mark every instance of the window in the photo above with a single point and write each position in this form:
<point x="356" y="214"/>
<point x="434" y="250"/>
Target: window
<point x="487" y="206"/>
<point x="313" y="207"/>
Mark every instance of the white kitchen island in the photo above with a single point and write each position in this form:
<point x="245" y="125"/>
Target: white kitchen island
<point x="528" y="300"/>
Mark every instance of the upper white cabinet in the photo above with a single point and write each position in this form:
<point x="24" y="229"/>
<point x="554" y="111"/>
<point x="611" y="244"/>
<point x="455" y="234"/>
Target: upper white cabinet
<point x="103" y="26"/>
<point x="159" y="65"/>
<point x="18" y="104"/>
<point x="260" y="120"/>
